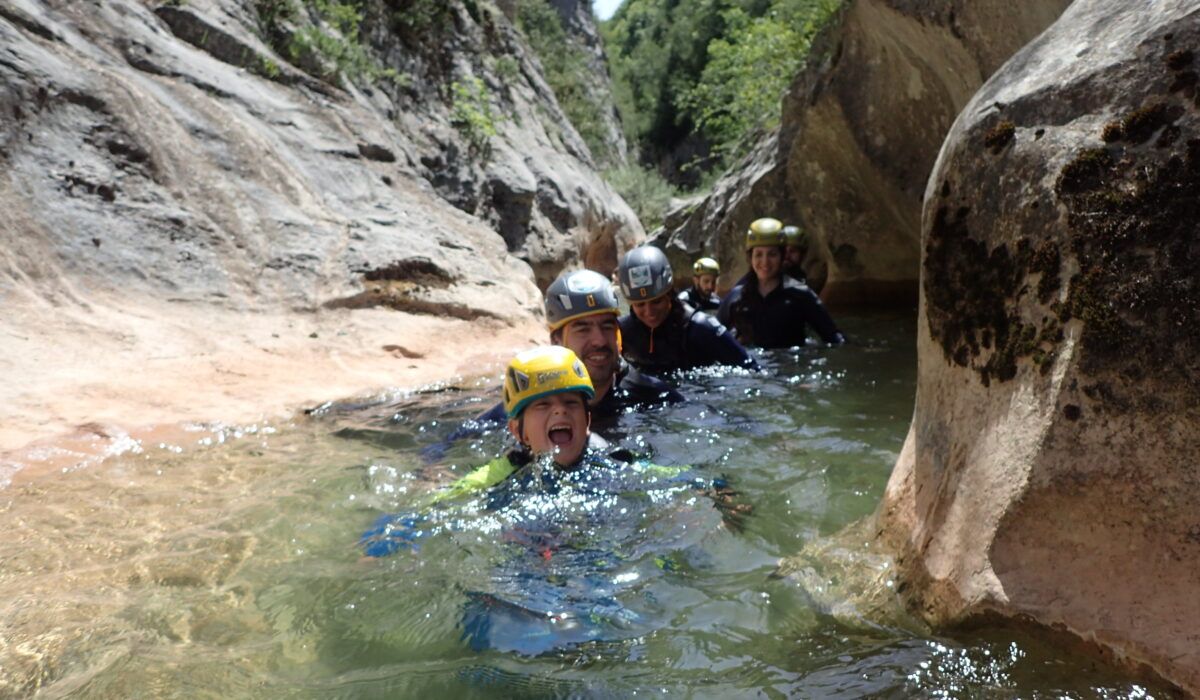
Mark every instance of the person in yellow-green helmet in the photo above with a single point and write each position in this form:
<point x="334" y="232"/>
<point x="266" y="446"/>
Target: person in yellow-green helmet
<point x="582" y="314"/>
<point x="768" y="308"/>
<point x="702" y="295"/>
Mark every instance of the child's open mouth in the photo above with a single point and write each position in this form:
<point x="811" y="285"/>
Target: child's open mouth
<point x="560" y="434"/>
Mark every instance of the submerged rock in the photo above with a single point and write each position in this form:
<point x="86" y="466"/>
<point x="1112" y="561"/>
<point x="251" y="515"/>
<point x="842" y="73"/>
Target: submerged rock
<point x="861" y="127"/>
<point x="1050" y="469"/>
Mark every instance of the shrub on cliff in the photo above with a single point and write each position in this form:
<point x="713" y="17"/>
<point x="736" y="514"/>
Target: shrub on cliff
<point x="693" y="78"/>
<point x="565" y="66"/>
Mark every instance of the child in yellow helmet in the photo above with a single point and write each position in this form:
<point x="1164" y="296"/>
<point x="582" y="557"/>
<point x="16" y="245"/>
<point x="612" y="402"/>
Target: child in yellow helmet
<point x="556" y="497"/>
<point x="546" y="392"/>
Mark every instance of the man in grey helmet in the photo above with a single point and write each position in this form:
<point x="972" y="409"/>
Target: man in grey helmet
<point x="581" y="311"/>
<point x="663" y="334"/>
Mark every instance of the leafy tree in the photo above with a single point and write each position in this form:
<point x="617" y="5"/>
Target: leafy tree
<point x="706" y="72"/>
<point x="566" y="69"/>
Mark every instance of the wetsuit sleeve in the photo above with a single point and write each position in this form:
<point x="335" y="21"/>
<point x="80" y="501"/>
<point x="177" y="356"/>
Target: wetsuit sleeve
<point x="820" y="320"/>
<point x="480" y="479"/>
<point x="647" y="389"/>
<point x="719" y="344"/>
<point x="393" y="532"/>
<point x="724" y="311"/>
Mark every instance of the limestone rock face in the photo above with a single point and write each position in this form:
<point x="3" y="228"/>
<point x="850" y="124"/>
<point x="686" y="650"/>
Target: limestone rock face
<point x="165" y="150"/>
<point x="861" y="128"/>
<point x="1050" y="471"/>
<point x="580" y="24"/>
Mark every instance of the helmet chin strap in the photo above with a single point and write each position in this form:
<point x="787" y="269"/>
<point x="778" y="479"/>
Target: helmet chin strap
<point x="521" y="431"/>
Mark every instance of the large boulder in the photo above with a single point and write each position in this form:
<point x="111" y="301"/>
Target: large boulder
<point x="862" y="124"/>
<point x="1050" y="472"/>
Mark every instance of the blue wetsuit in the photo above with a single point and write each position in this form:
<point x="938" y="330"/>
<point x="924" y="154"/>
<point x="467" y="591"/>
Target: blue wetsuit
<point x="685" y="340"/>
<point x="779" y="319"/>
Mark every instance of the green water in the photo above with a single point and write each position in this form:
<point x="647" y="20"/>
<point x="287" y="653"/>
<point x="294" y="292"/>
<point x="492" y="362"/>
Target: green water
<point x="231" y="568"/>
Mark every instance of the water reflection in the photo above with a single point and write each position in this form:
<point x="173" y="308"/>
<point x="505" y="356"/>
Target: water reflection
<point x="232" y="568"/>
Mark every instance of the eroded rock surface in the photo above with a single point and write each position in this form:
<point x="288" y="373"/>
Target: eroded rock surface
<point x="1050" y="471"/>
<point x="861" y="128"/>
<point x="165" y="149"/>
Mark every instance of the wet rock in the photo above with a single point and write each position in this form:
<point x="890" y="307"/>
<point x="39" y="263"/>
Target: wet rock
<point x="861" y="127"/>
<point x="1049" y="472"/>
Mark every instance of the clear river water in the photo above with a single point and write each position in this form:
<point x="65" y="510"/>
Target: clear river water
<point x="228" y="565"/>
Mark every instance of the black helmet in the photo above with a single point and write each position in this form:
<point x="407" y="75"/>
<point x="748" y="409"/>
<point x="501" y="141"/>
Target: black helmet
<point x="645" y="274"/>
<point x="577" y="294"/>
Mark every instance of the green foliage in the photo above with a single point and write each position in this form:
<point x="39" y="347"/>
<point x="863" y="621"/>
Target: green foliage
<point x="334" y="38"/>
<point x="749" y="70"/>
<point x="507" y="69"/>
<point x="566" y="69"/>
<point x="272" y="13"/>
<point x="646" y="192"/>
<point x="712" y="70"/>
<point x="471" y="113"/>
<point x="419" y="17"/>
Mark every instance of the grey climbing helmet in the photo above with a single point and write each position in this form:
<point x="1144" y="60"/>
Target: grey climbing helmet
<point x="645" y="274"/>
<point x="577" y="294"/>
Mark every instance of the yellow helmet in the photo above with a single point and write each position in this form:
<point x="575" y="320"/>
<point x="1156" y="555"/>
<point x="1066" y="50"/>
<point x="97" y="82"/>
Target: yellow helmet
<point x="542" y="371"/>
<point x="706" y="266"/>
<point x="765" y="231"/>
<point x="795" y="236"/>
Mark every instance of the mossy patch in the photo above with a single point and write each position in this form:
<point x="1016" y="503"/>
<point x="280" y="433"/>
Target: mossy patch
<point x="1085" y="172"/>
<point x="1131" y="212"/>
<point x="1178" y="60"/>
<point x="971" y="293"/>
<point x="1142" y="123"/>
<point x="1133" y="233"/>
<point x="999" y="136"/>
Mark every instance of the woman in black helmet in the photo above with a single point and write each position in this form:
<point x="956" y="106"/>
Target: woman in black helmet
<point x="663" y="334"/>
<point x="768" y="308"/>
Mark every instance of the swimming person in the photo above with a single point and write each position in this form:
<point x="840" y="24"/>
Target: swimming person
<point x="702" y="295"/>
<point x="770" y="309"/>
<point x="563" y="508"/>
<point x="662" y="334"/>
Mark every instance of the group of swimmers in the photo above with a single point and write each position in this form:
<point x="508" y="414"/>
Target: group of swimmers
<point x="600" y="364"/>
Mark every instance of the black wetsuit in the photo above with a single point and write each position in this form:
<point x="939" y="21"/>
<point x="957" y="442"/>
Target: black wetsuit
<point x="700" y="300"/>
<point x="686" y="339"/>
<point x="779" y="319"/>
<point x="796" y="272"/>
